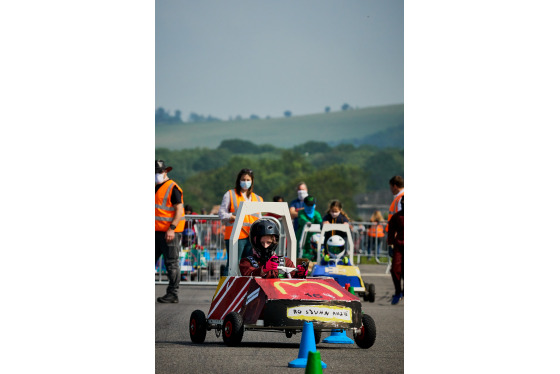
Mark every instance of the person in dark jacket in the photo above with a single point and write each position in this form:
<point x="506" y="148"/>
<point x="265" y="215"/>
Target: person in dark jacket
<point x="335" y="214"/>
<point x="395" y="239"/>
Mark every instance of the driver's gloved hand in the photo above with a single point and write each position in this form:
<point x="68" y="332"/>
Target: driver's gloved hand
<point x="271" y="264"/>
<point x="301" y="271"/>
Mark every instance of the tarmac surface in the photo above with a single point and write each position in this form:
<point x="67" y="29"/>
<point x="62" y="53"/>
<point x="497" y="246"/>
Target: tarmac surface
<point x="272" y="351"/>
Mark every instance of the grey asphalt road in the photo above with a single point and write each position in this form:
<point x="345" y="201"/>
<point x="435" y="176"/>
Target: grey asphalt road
<point x="269" y="351"/>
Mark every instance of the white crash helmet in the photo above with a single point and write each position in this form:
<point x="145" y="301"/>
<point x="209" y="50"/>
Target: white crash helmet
<point x="335" y="246"/>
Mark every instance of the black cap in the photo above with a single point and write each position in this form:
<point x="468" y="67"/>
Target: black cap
<point x="309" y="201"/>
<point x="161" y="167"/>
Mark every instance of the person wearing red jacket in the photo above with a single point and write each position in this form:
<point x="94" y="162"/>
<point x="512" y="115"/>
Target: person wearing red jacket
<point x="395" y="239"/>
<point x="264" y="236"/>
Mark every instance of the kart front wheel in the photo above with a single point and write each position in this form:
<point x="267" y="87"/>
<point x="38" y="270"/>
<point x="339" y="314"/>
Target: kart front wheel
<point x="371" y="293"/>
<point x="367" y="334"/>
<point x="197" y="326"/>
<point x="232" y="330"/>
<point x="365" y="295"/>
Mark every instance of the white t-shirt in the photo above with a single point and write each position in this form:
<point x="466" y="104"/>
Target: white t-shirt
<point x="224" y="212"/>
<point x="399" y="206"/>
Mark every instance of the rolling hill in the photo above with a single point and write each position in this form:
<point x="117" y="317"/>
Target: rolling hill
<point x="382" y="126"/>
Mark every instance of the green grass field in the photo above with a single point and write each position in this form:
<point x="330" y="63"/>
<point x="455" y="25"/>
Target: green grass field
<point x="334" y="127"/>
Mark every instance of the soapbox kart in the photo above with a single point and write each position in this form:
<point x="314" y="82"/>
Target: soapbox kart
<point x="309" y="230"/>
<point x="340" y="267"/>
<point x="279" y="305"/>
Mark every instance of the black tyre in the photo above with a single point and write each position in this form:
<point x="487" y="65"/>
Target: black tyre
<point x="371" y="293"/>
<point x="197" y="326"/>
<point x="365" y="295"/>
<point x="367" y="334"/>
<point x="232" y="330"/>
<point x="317" y="334"/>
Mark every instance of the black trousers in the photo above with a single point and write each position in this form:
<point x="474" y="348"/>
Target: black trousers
<point x="397" y="270"/>
<point x="170" y="252"/>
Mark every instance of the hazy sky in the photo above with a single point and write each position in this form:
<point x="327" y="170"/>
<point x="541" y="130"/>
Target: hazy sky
<point x="227" y="58"/>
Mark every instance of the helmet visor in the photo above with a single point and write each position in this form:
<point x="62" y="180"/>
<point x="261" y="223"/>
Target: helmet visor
<point x="335" y="250"/>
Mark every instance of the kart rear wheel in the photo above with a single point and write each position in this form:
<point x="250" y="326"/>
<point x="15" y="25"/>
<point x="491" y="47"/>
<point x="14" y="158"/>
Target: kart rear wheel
<point x="232" y="330"/>
<point x="317" y="334"/>
<point x="197" y="326"/>
<point x="371" y="293"/>
<point x="367" y="334"/>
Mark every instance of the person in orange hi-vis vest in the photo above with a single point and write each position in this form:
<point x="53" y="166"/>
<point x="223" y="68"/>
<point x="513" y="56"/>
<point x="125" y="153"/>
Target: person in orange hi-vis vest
<point x="243" y="191"/>
<point x="397" y="188"/>
<point x="170" y="223"/>
<point x="375" y="231"/>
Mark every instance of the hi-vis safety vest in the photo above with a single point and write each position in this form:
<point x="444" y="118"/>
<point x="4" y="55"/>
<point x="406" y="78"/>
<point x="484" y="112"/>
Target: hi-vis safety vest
<point x="235" y="200"/>
<point x="164" y="209"/>
<point x="394" y="208"/>
<point x="376" y="230"/>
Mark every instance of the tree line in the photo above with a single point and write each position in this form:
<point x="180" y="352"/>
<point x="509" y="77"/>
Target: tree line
<point x="165" y="117"/>
<point x="341" y="172"/>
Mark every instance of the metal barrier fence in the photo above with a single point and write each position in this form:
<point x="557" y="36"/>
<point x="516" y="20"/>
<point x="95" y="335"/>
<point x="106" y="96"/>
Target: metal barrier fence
<point x="203" y="250"/>
<point x="369" y="243"/>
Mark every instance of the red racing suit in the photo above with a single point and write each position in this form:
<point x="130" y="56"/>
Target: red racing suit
<point x="253" y="266"/>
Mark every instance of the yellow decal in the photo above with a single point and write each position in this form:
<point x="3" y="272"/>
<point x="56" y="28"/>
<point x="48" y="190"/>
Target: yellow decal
<point x="279" y="284"/>
<point x="342" y="270"/>
<point x="222" y="280"/>
<point x="349" y="271"/>
<point x="320" y="313"/>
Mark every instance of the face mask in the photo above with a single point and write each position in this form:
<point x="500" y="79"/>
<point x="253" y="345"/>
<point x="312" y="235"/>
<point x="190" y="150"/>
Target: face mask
<point x="159" y="178"/>
<point x="302" y="194"/>
<point x="245" y="184"/>
<point x="334" y="215"/>
<point x="309" y="210"/>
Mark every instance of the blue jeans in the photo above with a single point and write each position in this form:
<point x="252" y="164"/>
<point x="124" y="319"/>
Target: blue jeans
<point x="244" y="249"/>
<point x="372" y="251"/>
